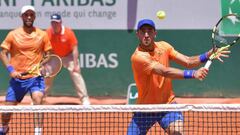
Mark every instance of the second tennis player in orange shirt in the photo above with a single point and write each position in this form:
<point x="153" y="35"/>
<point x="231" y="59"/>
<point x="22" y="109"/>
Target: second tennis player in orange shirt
<point x="153" y="76"/>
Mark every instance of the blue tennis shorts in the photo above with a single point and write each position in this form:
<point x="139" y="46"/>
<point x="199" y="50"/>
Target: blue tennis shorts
<point x="18" y="88"/>
<point x="142" y="121"/>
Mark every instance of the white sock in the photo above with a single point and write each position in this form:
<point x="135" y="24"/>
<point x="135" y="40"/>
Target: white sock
<point x="37" y="131"/>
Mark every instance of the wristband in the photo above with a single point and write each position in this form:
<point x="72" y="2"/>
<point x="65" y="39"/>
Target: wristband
<point x="188" y="74"/>
<point x="10" y="69"/>
<point x="203" y="57"/>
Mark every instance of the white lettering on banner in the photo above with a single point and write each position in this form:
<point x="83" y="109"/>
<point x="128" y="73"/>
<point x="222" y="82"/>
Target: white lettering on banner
<point x="91" y="60"/>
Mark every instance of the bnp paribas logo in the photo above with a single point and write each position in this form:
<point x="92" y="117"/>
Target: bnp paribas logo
<point x="61" y="2"/>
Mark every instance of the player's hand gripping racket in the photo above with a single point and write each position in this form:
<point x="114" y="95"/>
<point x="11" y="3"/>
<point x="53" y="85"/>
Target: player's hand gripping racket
<point x="50" y="66"/>
<point x="225" y="34"/>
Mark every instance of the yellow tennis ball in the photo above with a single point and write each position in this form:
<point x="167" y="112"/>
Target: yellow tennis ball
<point x="161" y="14"/>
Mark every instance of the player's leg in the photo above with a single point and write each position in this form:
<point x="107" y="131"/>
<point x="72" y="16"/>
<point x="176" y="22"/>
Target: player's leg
<point x="141" y="123"/>
<point x="15" y="93"/>
<point x="77" y="79"/>
<point x="172" y="123"/>
<point x="175" y="128"/>
<point x="80" y="87"/>
<point x="5" y="118"/>
<point x="37" y="92"/>
<point x="48" y="85"/>
<point x="37" y="97"/>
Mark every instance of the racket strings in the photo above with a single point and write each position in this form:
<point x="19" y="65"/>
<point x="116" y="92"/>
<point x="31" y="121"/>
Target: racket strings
<point x="227" y="31"/>
<point x="224" y="35"/>
<point x="51" y="67"/>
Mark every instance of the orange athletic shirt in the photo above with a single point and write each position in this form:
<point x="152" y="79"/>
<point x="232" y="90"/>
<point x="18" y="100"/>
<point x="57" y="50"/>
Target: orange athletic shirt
<point x="26" y="49"/>
<point x="64" y="42"/>
<point x="153" y="88"/>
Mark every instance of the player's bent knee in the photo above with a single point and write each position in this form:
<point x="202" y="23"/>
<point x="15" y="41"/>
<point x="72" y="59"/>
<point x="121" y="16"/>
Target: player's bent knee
<point x="174" y="132"/>
<point x="175" y="128"/>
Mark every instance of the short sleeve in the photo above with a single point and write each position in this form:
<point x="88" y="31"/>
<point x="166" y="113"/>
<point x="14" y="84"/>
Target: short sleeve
<point x="143" y="63"/>
<point x="47" y="43"/>
<point x="72" y="37"/>
<point x="172" y="53"/>
<point x="6" y="44"/>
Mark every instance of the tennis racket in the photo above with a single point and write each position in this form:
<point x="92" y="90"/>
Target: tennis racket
<point x="50" y="66"/>
<point x="225" y="34"/>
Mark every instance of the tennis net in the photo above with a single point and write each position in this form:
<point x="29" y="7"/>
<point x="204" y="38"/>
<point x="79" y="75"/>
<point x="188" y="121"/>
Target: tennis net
<point x="203" y="119"/>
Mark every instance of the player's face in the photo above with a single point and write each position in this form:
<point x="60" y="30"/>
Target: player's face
<point x="146" y="34"/>
<point x="57" y="26"/>
<point x="28" y="18"/>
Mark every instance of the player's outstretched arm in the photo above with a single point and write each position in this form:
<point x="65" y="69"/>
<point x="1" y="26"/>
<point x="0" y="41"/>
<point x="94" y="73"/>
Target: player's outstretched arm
<point x="195" y="61"/>
<point x="176" y="73"/>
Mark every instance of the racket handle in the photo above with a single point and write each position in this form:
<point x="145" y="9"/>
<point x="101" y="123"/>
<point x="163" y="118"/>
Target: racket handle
<point x="24" y="73"/>
<point x="208" y="64"/>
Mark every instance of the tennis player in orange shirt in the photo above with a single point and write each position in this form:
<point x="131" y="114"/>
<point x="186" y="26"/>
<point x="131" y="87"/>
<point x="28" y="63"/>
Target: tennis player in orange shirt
<point x="65" y="45"/>
<point x="26" y="45"/>
<point x="153" y="76"/>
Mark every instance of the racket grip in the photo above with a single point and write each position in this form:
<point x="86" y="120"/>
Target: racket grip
<point x="208" y="64"/>
<point x="24" y="73"/>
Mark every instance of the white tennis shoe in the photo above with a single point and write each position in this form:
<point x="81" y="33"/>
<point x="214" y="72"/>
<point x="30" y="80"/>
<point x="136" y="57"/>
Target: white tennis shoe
<point x="85" y="101"/>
